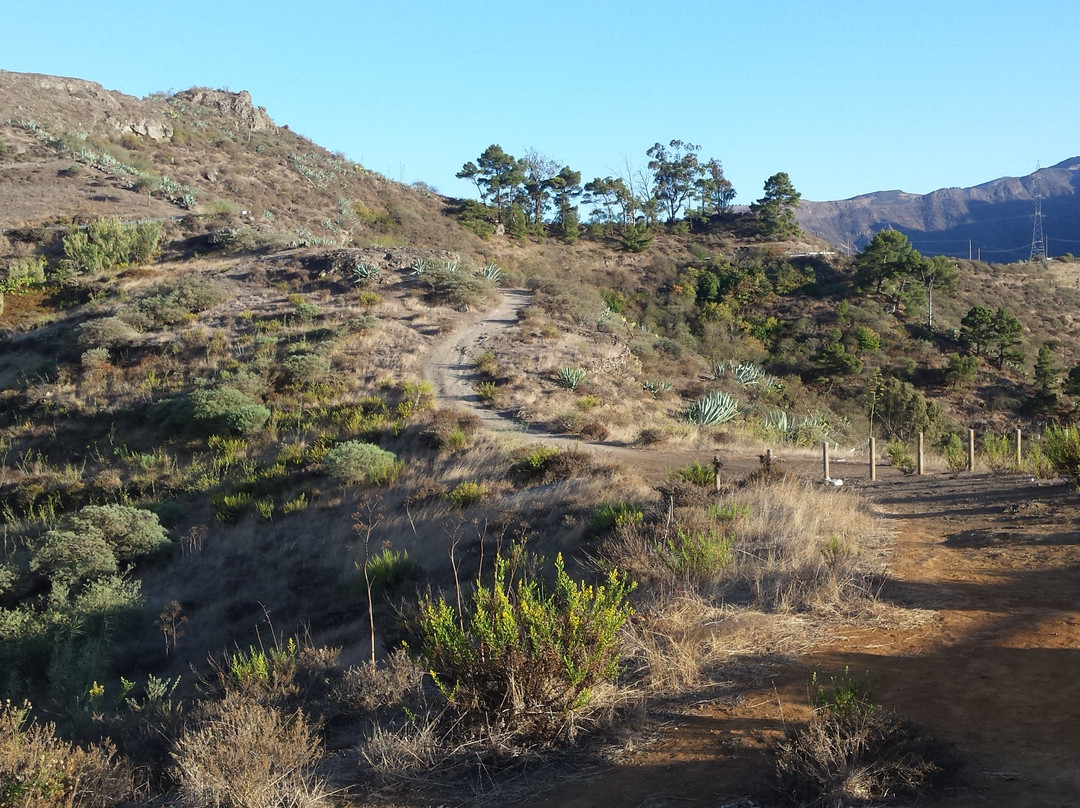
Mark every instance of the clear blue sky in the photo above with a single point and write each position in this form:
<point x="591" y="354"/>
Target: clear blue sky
<point x="847" y="96"/>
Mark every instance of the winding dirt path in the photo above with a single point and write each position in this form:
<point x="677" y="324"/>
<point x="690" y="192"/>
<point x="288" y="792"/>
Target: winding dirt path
<point x="450" y="367"/>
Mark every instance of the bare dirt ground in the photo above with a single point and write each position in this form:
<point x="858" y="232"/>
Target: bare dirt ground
<point x="989" y="568"/>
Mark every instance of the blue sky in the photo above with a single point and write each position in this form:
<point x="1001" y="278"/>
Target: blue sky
<point x="847" y="96"/>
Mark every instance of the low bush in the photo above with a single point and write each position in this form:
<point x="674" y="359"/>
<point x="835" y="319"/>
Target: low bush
<point x="901" y="457"/>
<point x="354" y="462"/>
<point x="227" y="411"/>
<point x="524" y="660"/>
<point x="696" y="473"/>
<point x="466" y="494"/>
<point x="243" y="754"/>
<point x="1061" y="445"/>
<point x="106" y="332"/>
<point x="39" y="770"/>
<point x="856" y="753"/>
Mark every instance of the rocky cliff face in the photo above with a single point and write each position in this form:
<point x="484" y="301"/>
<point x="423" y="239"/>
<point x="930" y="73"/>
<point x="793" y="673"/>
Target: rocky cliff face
<point x="995" y="218"/>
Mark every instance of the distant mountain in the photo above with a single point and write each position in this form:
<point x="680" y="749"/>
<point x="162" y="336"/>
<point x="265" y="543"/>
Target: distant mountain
<point x="994" y="220"/>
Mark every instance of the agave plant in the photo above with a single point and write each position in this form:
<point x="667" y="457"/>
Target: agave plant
<point x="450" y="266"/>
<point x="570" y="378"/>
<point x="748" y="374"/>
<point x="365" y="272"/>
<point x="419" y="266"/>
<point x="712" y="409"/>
<point x="656" y="388"/>
<point x="491" y="272"/>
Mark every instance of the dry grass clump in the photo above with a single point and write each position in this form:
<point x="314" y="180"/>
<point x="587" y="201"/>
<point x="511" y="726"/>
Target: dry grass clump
<point x="39" y="770"/>
<point x="244" y="754"/>
<point x="774" y="545"/>
<point x="856" y="758"/>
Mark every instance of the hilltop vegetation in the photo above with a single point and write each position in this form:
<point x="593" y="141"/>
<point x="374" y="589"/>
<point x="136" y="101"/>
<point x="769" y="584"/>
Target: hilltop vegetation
<point x="230" y="496"/>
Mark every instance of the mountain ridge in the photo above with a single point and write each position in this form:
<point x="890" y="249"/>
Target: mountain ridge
<point x="993" y="219"/>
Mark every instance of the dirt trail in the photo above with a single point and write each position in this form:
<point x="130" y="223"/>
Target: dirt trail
<point x="450" y="367"/>
<point x="991" y="565"/>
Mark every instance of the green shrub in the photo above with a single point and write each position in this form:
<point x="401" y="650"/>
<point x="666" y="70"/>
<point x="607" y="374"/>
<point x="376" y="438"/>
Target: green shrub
<point x="387" y="571"/>
<point x="131" y="533"/>
<point x="696" y="474"/>
<point x="613" y="516"/>
<point x="999" y="452"/>
<point x="532" y="463"/>
<point x="107" y="245"/>
<point x="698" y="554"/>
<point x="522" y="659"/>
<point x="901" y="457"/>
<point x="230" y="506"/>
<point x="466" y="494"/>
<point x="1062" y="448"/>
<point x="106" y="332"/>
<point x="68" y="558"/>
<point x="354" y="462"/>
<point x="24" y="273"/>
<point x="306" y="370"/>
<point x="177" y="301"/>
<point x="488" y="392"/>
<point x="955" y="453"/>
<point x="227" y="411"/>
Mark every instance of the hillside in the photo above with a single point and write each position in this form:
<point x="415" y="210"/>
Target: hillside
<point x="320" y="489"/>
<point x="993" y="220"/>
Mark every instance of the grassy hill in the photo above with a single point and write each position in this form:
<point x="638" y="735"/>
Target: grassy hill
<point x="228" y="481"/>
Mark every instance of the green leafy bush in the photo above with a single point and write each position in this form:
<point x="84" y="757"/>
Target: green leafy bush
<point x="131" y="533"/>
<point x="1061" y="444"/>
<point x="226" y="410"/>
<point x="522" y="659"/>
<point x="68" y="558"/>
<point x="696" y="473"/>
<point x="901" y="457"/>
<point x="107" y="245"/>
<point x="466" y="494"/>
<point x="612" y="516"/>
<point x="354" y="462"/>
<point x="698" y="554"/>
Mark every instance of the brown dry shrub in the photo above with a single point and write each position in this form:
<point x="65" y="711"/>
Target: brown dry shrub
<point x="395" y="683"/>
<point x="856" y="758"/>
<point x="39" y="770"/>
<point x="243" y="754"/>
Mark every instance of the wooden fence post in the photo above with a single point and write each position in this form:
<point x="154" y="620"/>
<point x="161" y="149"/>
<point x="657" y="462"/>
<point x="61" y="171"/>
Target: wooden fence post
<point x="1019" y="454"/>
<point x="920" y="457"/>
<point x="825" y="458"/>
<point x="873" y="459"/>
<point x="971" y="450"/>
